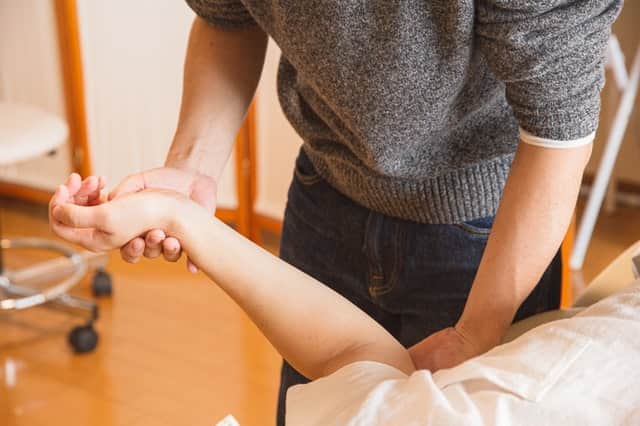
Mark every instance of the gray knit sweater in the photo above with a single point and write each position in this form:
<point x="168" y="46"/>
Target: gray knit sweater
<point x="412" y="108"/>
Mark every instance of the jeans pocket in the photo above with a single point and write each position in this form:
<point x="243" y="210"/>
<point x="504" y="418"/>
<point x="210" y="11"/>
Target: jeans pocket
<point x="305" y="173"/>
<point x="477" y="227"/>
<point x="313" y="201"/>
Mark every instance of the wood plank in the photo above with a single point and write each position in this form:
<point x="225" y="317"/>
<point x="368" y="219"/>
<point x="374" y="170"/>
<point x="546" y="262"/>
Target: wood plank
<point x="174" y="349"/>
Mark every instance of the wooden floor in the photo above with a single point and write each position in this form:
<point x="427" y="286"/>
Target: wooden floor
<point x="174" y="350"/>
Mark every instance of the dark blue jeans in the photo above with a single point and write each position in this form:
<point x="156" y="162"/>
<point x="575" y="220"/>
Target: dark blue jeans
<point x="411" y="278"/>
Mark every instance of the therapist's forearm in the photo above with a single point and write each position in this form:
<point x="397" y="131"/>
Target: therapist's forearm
<point x="535" y="211"/>
<point x="221" y="71"/>
<point x="314" y="328"/>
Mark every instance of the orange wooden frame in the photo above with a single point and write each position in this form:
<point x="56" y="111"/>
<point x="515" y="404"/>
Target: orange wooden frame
<point x="73" y="81"/>
<point x="245" y="173"/>
<point x="566" y="296"/>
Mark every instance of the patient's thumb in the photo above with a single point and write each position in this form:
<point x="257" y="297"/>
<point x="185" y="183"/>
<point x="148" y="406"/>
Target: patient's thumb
<point x="76" y="216"/>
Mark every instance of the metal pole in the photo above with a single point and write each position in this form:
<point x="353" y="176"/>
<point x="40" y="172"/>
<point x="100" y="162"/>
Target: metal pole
<point x="606" y="165"/>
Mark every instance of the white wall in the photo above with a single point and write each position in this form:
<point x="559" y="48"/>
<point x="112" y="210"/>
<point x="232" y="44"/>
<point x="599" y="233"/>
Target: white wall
<point x="133" y="56"/>
<point x="30" y="74"/>
<point x="133" y="53"/>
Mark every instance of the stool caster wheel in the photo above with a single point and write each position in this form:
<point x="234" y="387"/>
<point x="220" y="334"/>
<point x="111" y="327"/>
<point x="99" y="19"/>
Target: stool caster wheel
<point x="83" y="338"/>
<point x="101" y="284"/>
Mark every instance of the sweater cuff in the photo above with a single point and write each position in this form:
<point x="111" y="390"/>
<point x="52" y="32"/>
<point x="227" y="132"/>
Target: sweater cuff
<point x="224" y="14"/>
<point x="530" y="139"/>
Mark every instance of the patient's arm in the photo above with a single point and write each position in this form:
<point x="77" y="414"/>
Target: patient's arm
<point x="313" y="327"/>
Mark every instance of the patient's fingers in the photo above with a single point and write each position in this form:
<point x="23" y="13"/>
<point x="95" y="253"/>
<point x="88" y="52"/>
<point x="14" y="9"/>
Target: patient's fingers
<point x="192" y="266"/>
<point x="78" y="216"/>
<point x="60" y="196"/>
<point x="95" y="197"/>
<point x="73" y="183"/>
<point x="171" y="249"/>
<point x="75" y="223"/>
<point x="88" y="238"/>
<point x="133" y="250"/>
<point x="88" y="189"/>
<point x="153" y="243"/>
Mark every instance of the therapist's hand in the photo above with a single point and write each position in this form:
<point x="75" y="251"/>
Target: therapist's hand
<point x="199" y="187"/>
<point x="444" y="349"/>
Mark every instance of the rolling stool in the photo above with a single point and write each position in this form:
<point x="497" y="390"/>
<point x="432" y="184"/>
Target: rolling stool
<point x="27" y="132"/>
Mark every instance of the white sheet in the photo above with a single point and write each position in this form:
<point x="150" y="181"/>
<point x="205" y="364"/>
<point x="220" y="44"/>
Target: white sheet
<point x="580" y="371"/>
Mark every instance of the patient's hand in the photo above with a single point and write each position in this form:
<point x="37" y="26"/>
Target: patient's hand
<point x="78" y="214"/>
<point x="197" y="186"/>
<point x="77" y="191"/>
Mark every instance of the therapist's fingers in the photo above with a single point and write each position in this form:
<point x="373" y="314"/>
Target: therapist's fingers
<point x="133" y="183"/>
<point x="133" y="250"/>
<point x="171" y="249"/>
<point x="153" y="243"/>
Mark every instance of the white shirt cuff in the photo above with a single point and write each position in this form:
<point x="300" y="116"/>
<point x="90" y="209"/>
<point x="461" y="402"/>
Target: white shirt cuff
<point x="527" y="137"/>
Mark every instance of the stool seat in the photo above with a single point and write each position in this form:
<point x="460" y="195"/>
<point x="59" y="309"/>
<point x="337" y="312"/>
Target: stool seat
<point x="27" y="132"/>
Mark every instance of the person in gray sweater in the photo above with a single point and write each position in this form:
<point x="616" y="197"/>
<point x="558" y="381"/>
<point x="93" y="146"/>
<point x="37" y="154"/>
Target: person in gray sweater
<point x="444" y="145"/>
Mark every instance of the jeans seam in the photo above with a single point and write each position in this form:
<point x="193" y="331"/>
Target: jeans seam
<point x="375" y="273"/>
<point x="307" y="180"/>
<point x="398" y="236"/>
<point x="473" y="231"/>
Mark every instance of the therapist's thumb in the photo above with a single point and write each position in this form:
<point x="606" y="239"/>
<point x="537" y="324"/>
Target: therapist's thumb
<point x="130" y="184"/>
<point x="79" y="216"/>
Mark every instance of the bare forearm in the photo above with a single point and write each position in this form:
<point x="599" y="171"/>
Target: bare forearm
<point x="314" y="328"/>
<point x="221" y="72"/>
<point x="535" y="211"/>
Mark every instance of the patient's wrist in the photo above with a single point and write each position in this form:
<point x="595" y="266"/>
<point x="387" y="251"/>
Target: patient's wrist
<point x="179" y="220"/>
<point x="187" y="220"/>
